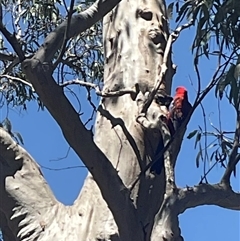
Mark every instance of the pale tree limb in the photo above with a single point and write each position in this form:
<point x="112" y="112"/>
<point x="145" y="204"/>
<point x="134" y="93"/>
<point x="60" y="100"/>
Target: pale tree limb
<point x="108" y="93"/>
<point x="166" y="223"/>
<point x="182" y="199"/>
<point x="206" y="194"/>
<point x="28" y="208"/>
<point x="16" y="79"/>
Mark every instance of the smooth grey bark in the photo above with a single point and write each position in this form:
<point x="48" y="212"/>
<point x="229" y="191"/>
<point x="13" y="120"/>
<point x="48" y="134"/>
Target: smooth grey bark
<point x="111" y="205"/>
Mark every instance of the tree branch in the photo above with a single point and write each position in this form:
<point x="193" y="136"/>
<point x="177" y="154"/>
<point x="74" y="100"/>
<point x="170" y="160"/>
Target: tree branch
<point x="206" y="194"/>
<point x="11" y="38"/>
<point x="108" y="93"/>
<point x="7" y="57"/>
<point x="16" y="79"/>
<point x="79" y="23"/>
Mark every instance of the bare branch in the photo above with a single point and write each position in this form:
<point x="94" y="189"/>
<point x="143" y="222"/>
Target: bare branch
<point x="16" y="79"/>
<point x="98" y="91"/>
<point x="206" y="194"/>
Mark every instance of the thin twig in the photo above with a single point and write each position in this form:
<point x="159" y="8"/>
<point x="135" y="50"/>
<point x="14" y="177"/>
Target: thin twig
<point x="60" y="169"/>
<point x="205" y="139"/>
<point x="64" y="157"/>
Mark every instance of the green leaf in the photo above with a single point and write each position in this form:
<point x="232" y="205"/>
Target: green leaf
<point x="8" y="125"/>
<point x="212" y="155"/>
<point x="195" y="13"/>
<point x="219" y="16"/>
<point x="228" y="143"/>
<point x="19" y="137"/>
<point x="237" y="71"/>
<point x="212" y="145"/>
<point x="198" y="138"/>
<point x="192" y="134"/>
<point x="183" y="11"/>
<point x="205" y="11"/>
<point x="234" y="92"/>
<point x="170" y="10"/>
<point x="225" y="80"/>
<point x="199" y="155"/>
<point x="202" y="21"/>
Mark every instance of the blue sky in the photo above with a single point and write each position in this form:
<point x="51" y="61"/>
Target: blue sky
<point x="44" y="141"/>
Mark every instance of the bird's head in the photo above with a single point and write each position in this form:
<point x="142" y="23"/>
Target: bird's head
<point x="181" y="91"/>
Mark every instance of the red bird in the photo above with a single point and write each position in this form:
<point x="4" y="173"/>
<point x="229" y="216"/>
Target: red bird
<point x="178" y="111"/>
<point x="179" y="108"/>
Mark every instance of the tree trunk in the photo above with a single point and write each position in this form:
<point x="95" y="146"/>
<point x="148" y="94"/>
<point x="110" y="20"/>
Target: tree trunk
<point x="135" y="35"/>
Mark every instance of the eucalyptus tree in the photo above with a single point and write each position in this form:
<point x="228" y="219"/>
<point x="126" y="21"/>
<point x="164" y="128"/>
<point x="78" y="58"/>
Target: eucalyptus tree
<point x="43" y="52"/>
